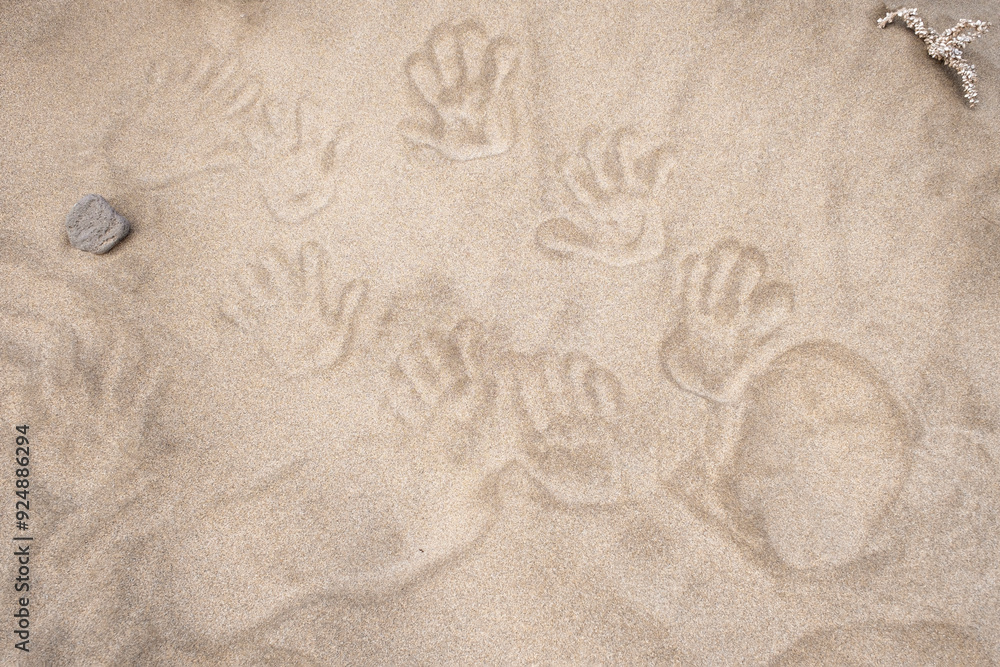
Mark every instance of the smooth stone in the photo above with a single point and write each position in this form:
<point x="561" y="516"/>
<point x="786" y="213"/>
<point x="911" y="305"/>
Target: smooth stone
<point x="93" y="226"/>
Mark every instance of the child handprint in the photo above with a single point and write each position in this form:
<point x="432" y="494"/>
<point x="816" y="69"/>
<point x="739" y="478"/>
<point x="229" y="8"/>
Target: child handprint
<point x="295" y="153"/>
<point x="190" y="121"/>
<point x="465" y="81"/>
<point x="573" y="409"/>
<point x="284" y="306"/>
<point x="726" y="312"/>
<point x="613" y="181"/>
<point x="437" y="378"/>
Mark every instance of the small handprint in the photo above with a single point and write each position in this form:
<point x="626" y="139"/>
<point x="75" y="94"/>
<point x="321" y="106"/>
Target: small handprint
<point x="189" y="121"/>
<point x="726" y="313"/>
<point x="295" y="154"/>
<point x="573" y="410"/>
<point x="283" y="305"/>
<point x="464" y="78"/>
<point x="614" y="217"/>
<point x="437" y="379"/>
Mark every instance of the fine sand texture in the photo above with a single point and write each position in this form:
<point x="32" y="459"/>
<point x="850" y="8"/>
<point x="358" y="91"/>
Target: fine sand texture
<point x="459" y="332"/>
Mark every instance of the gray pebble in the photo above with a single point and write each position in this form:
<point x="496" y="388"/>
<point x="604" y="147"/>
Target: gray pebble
<point x="93" y="226"/>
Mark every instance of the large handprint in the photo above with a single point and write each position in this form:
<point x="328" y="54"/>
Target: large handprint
<point x="190" y="121"/>
<point x="283" y="306"/>
<point x="573" y="409"/>
<point x="614" y="217"/>
<point x="89" y="378"/>
<point x="726" y="313"/>
<point x="464" y="79"/>
<point x="295" y="154"/>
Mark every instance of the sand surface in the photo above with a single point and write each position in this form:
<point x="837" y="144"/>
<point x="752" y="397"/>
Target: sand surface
<point x="572" y="332"/>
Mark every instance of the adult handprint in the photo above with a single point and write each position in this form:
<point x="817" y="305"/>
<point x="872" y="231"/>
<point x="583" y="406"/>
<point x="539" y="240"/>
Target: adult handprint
<point x="284" y="306"/>
<point x="726" y="313"/>
<point x="190" y="121"/>
<point x="90" y="379"/>
<point x="295" y="154"/>
<point x="614" y="218"/>
<point x="573" y="409"/>
<point x="464" y="79"/>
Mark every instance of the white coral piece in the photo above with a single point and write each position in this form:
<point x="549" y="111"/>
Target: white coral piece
<point x="946" y="47"/>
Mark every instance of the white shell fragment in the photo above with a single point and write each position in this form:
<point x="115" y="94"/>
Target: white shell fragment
<point x="93" y="226"/>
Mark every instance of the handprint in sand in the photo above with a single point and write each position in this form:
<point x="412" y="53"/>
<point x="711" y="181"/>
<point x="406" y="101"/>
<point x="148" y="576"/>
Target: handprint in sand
<point x="727" y="311"/>
<point x="438" y="381"/>
<point x="573" y="442"/>
<point x="284" y="306"/>
<point x="190" y="121"/>
<point x="295" y="151"/>
<point x="465" y="80"/>
<point x="89" y="379"/>
<point x="441" y="394"/>
<point x="613" y="214"/>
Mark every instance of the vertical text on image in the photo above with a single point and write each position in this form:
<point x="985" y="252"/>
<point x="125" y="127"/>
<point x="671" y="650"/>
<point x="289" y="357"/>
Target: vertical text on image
<point x="22" y="538"/>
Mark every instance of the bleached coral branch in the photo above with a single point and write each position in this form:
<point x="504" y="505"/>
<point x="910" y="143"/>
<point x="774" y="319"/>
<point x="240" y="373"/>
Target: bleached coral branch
<point x="947" y="46"/>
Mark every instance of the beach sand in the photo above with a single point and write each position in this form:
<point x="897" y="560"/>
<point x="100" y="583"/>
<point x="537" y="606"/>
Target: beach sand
<point x="500" y="333"/>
